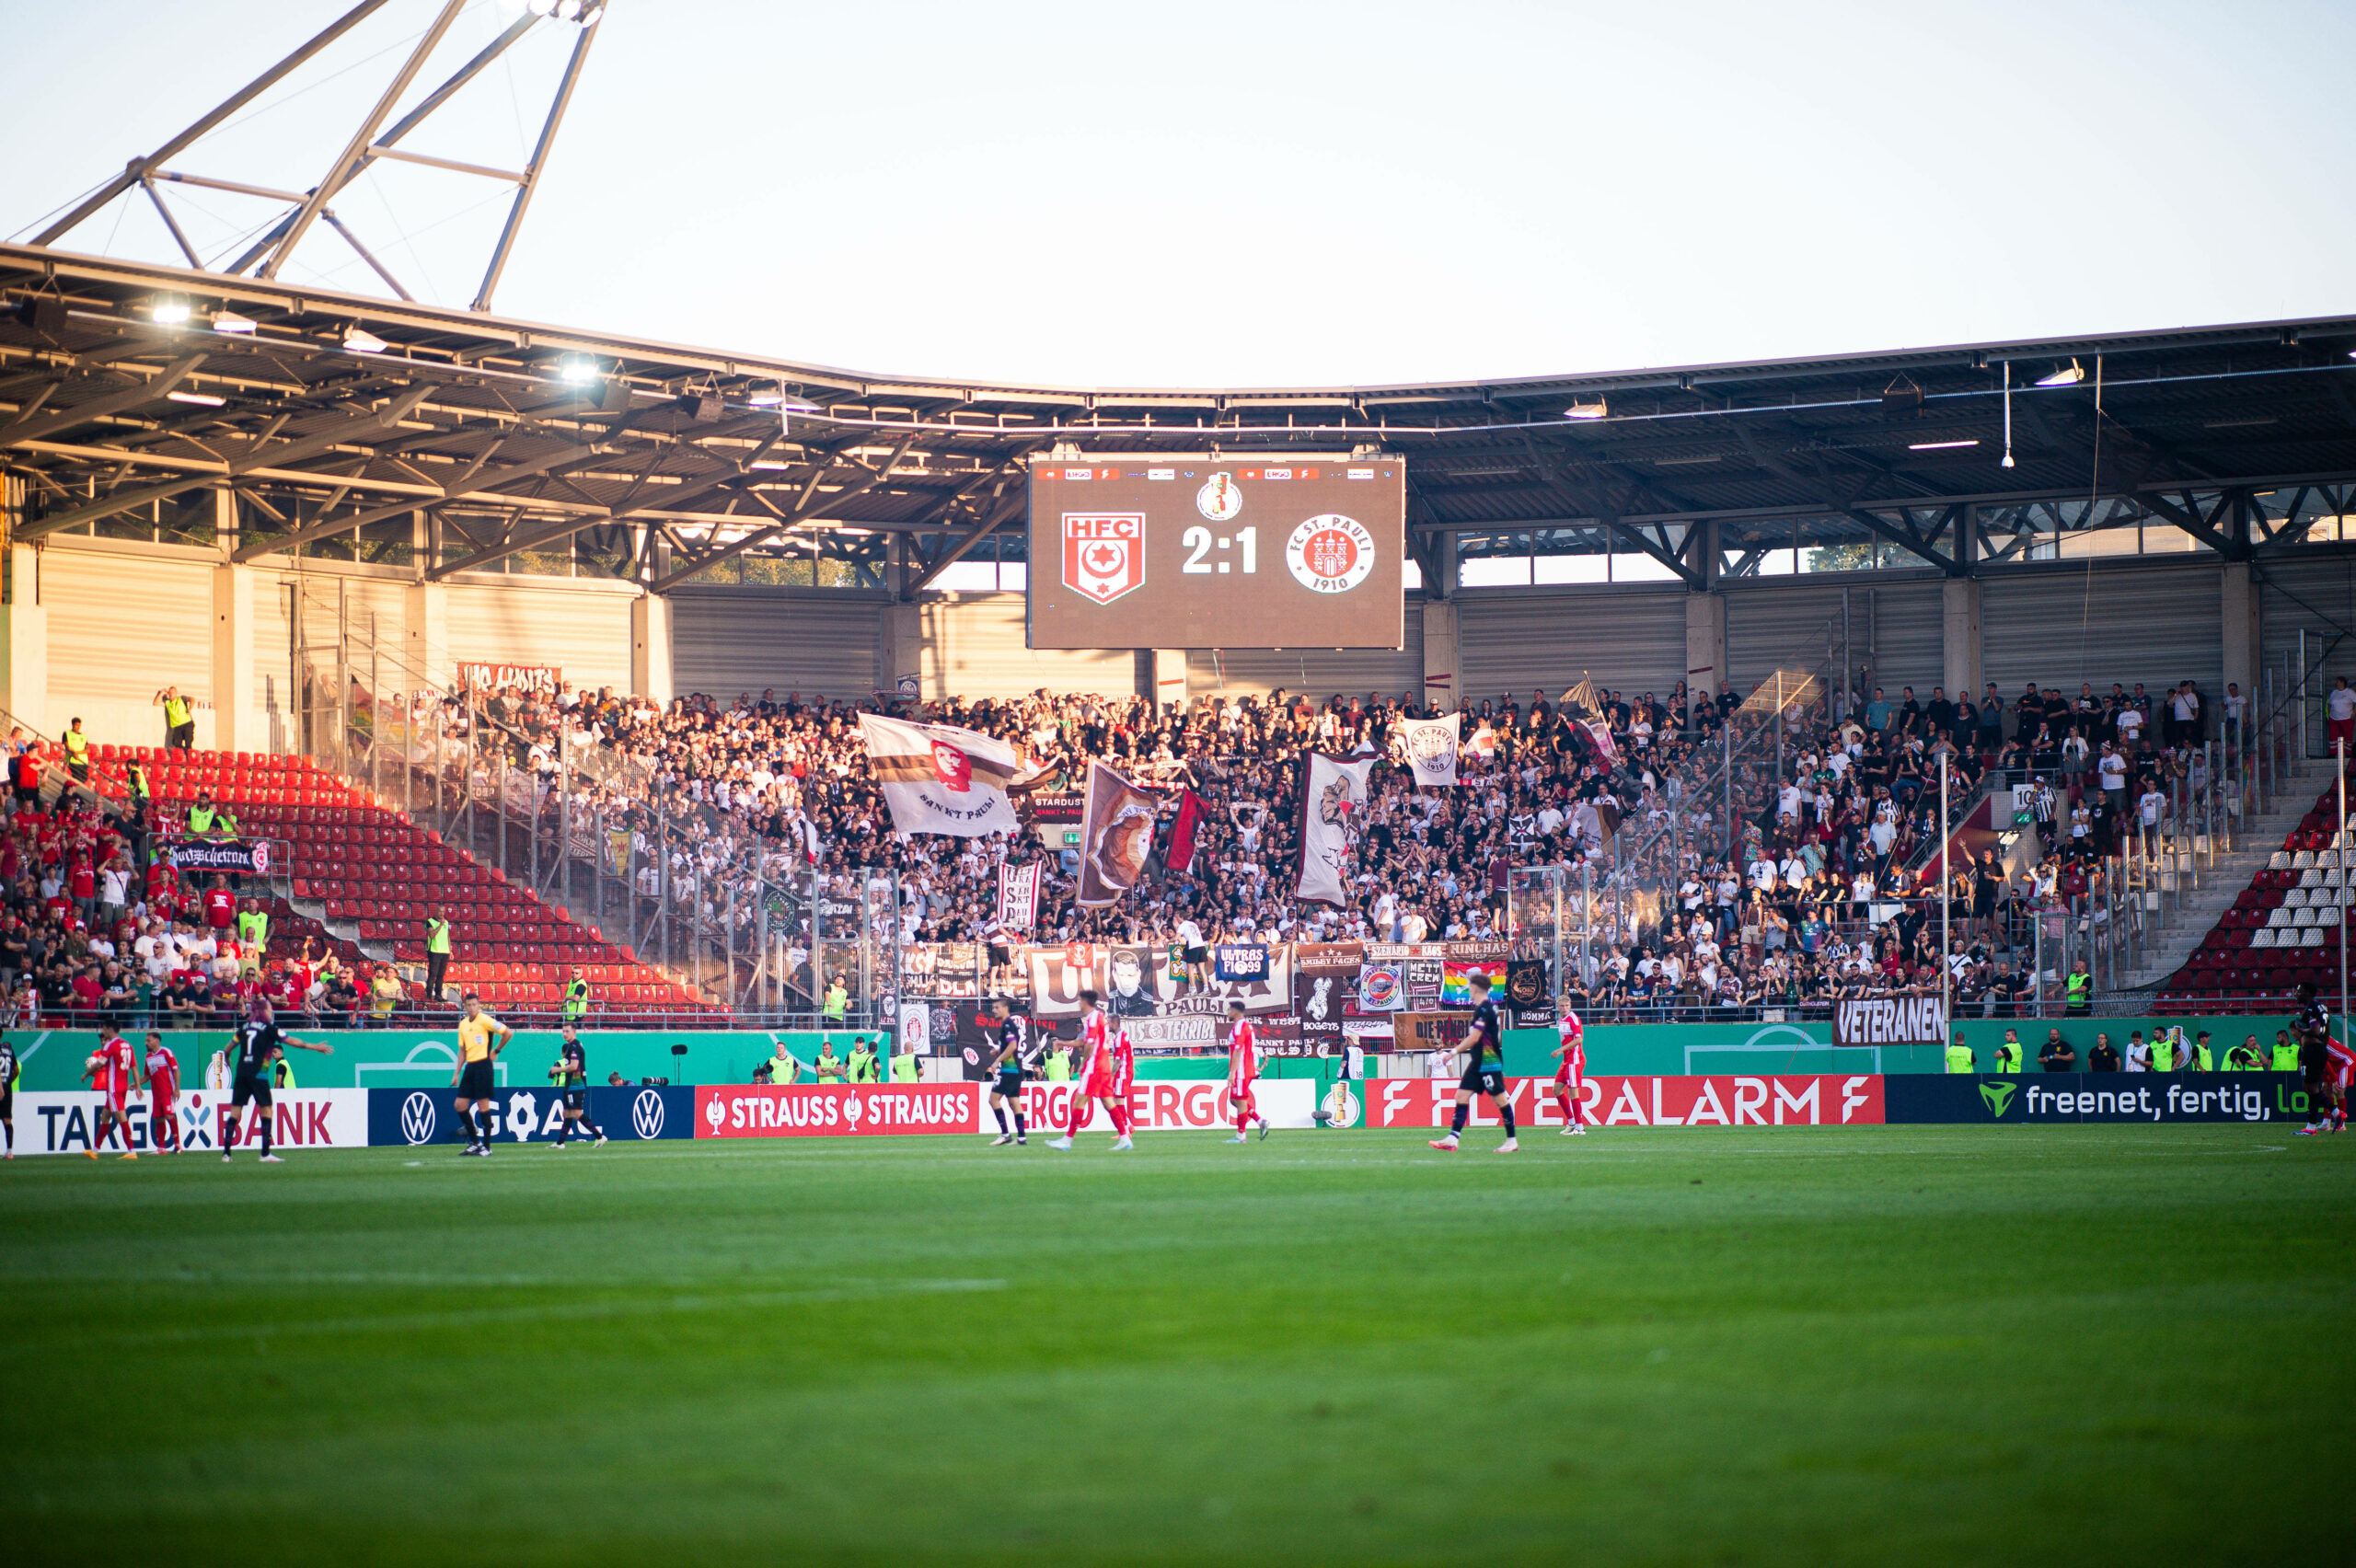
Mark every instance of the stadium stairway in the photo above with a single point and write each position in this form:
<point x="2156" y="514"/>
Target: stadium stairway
<point x="362" y="874"/>
<point x="2269" y="918"/>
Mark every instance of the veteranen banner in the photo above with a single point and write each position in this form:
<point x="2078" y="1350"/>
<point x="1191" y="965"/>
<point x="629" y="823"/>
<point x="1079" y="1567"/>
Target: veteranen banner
<point x="1890" y="1020"/>
<point x="1778" y="1100"/>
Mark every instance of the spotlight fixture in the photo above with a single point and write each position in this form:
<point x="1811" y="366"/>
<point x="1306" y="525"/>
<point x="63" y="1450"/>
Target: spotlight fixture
<point x="1900" y="397"/>
<point x="1598" y="409"/>
<point x="230" y="321"/>
<point x="202" y="399"/>
<point x="2069" y="377"/>
<point x="578" y="369"/>
<point x="360" y="340"/>
<point x="765" y="396"/>
<point x="1939" y="445"/>
<point x="2008" y="416"/>
<point x="169" y="311"/>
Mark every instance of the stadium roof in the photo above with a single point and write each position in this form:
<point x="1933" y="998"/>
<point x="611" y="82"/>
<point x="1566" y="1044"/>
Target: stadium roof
<point x="333" y="414"/>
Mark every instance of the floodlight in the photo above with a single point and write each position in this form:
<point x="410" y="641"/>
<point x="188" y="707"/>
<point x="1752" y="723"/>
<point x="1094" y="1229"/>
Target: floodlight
<point x="360" y="340"/>
<point x="541" y="7"/>
<point x="578" y="369"/>
<point x="169" y="311"/>
<point x="2069" y="377"/>
<point x="202" y="399"/>
<point x="1594" y="410"/>
<point x="230" y="321"/>
<point x="1939" y="445"/>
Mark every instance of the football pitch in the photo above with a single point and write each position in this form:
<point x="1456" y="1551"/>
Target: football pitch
<point x="1926" y="1345"/>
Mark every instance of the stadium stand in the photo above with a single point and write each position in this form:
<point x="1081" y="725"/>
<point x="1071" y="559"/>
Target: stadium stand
<point x="2283" y="930"/>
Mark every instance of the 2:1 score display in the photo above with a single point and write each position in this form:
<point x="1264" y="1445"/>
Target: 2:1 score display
<point x="1199" y="542"/>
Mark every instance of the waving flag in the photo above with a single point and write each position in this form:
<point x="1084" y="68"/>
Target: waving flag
<point x="1429" y="745"/>
<point x="1115" y="835"/>
<point x="1335" y="790"/>
<point x="940" y="778"/>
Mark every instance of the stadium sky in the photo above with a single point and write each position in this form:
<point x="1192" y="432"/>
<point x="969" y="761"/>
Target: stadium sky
<point x="1273" y="194"/>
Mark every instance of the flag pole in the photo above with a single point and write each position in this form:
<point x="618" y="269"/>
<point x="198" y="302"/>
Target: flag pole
<point x="1947" y="898"/>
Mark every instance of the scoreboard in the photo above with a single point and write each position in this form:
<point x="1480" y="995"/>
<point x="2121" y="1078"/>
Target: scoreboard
<point x="1218" y="552"/>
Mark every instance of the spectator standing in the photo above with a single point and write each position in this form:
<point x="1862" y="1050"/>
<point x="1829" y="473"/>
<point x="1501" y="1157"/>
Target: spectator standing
<point x="24" y="772"/>
<point x="2340" y="713"/>
<point x="2057" y="1056"/>
<point x="180" y="720"/>
<point x="253" y="930"/>
<point x="78" y="752"/>
<point x="838" y="1003"/>
<point x="576" y="998"/>
<point x="386" y="994"/>
<point x="437" y="949"/>
<point x="2104" y="1057"/>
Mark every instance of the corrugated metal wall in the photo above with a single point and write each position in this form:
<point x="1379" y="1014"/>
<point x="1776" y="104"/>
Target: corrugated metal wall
<point x="1895" y="623"/>
<point x="2158" y="622"/>
<point x="122" y="626"/>
<point x="581" y="628"/>
<point x="974" y="647"/>
<point x="727" y="641"/>
<point x="1322" y="672"/>
<point x="2318" y="598"/>
<point x="1517" y="642"/>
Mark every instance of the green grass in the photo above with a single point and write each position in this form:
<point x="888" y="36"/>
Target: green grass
<point x="1891" y="1344"/>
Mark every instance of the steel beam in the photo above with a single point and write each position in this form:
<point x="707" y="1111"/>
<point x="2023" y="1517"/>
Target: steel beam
<point x="540" y="162"/>
<point x="809" y="511"/>
<point x="27" y="428"/>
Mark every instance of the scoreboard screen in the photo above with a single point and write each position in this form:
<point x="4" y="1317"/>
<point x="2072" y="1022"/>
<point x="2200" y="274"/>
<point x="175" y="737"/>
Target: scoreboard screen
<point x="1218" y="552"/>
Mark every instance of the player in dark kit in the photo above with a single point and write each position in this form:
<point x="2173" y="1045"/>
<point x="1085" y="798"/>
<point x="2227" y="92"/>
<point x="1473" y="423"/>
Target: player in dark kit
<point x="258" y="1044"/>
<point x="1007" y="1065"/>
<point x="10" y="1070"/>
<point x="2313" y="1028"/>
<point x="571" y="1071"/>
<point x="1483" y="1056"/>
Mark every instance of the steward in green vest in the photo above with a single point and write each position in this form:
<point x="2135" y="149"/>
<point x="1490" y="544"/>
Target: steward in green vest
<point x="77" y="752"/>
<point x="200" y="816"/>
<point x="830" y="1067"/>
<point x="2008" y="1054"/>
<point x="2079" y="988"/>
<point x="2286" y="1052"/>
<point x="2162" y="1051"/>
<point x="2245" y="1057"/>
<point x="576" y="998"/>
<point x="253" y="930"/>
<point x="863" y="1062"/>
<point x="134" y="775"/>
<point x="180" y="720"/>
<point x="1959" y="1059"/>
<point x="2202" y="1061"/>
<point x="837" y="1005"/>
<point x="904" y="1067"/>
<point x="1059" y="1064"/>
<point x="224" y="822"/>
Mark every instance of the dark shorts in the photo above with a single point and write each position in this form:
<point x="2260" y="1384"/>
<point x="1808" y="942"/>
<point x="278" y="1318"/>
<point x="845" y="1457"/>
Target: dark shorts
<point x="1199" y="955"/>
<point x="7" y="1104"/>
<point x="1490" y="1081"/>
<point x="576" y="1099"/>
<point x="1001" y="956"/>
<point x="1009" y="1085"/>
<point x="476" y="1081"/>
<point x="250" y="1086"/>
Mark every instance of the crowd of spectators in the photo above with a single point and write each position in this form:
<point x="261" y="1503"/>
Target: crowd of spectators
<point x="1746" y="873"/>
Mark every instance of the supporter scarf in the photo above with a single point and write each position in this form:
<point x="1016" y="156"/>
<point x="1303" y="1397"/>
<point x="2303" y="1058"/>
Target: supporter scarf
<point x="1335" y="790"/>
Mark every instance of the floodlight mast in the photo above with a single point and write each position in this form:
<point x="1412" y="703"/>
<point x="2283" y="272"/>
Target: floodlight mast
<point x="269" y="254"/>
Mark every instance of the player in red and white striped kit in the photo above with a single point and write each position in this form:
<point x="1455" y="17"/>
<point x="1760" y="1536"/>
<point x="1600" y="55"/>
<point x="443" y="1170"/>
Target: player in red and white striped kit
<point x="1569" y="1076"/>
<point x="1243" y="1072"/>
<point x="1100" y="1075"/>
<point x="113" y="1071"/>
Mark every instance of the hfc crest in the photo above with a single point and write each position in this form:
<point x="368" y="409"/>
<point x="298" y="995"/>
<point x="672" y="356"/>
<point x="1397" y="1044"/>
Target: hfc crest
<point x="1103" y="553"/>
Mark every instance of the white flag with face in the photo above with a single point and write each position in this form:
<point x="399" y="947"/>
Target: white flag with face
<point x="941" y="779"/>
<point x="1336" y="797"/>
<point x="1430" y="746"/>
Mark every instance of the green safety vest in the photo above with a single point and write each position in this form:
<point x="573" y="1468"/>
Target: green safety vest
<point x="2008" y="1057"/>
<point x="838" y="1003"/>
<point x="226" y="824"/>
<point x="437" y="935"/>
<point x="863" y="1066"/>
<point x="199" y="819"/>
<point x="138" y="776"/>
<point x="77" y="746"/>
<point x="1059" y="1066"/>
<point x="253" y="928"/>
<point x="784" y="1069"/>
<point x="830" y="1070"/>
<point x="904" y="1067"/>
<point x="2078" y="985"/>
<point x="2201" y="1058"/>
<point x="283" y="1073"/>
<point x="176" y="711"/>
<point x="576" y="998"/>
<point x="2162" y="1053"/>
<point x="2286" y="1056"/>
<point x="1960" y="1059"/>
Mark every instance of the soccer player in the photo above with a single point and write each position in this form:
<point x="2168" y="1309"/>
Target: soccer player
<point x="1569" y="1087"/>
<point x="1007" y="1064"/>
<point x="1125" y="1078"/>
<point x="1097" y="1072"/>
<point x="571" y="1070"/>
<point x="1483" y="1064"/>
<point x="10" y="1071"/>
<point x="1243" y="1072"/>
<point x="113" y="1072"/>
<point x="259" y="1043"/>
<point x="164" y="1092"/>
<point x="480" y="1040"/>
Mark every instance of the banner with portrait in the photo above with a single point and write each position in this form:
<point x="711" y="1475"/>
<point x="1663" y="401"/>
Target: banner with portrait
<point x="1137" y="982"/>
